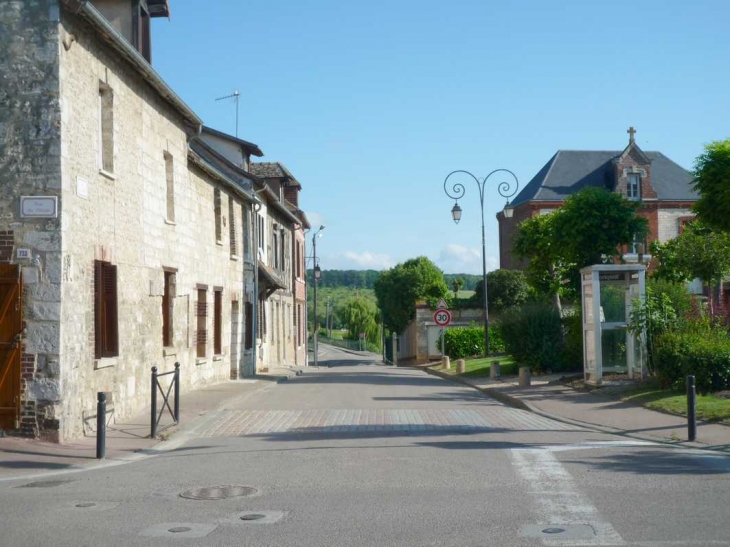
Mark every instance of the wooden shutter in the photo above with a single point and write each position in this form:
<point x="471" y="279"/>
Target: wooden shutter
<point x="202" y="314"/>
<point x="97" y="311"/>
<point x="217" y="320"/>
<point x="248" y="310"/>
<point x="110" y="316"/>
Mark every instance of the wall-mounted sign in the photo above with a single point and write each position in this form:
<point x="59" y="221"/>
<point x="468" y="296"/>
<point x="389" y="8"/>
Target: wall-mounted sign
<point x="611" y="276"/>
<point x="23" y="253"/>
<point x="38" y="206"/>
<point x="82" y="187"/>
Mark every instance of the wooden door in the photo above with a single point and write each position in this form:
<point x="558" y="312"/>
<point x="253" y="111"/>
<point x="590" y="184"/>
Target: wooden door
<point x="10" y="328"/>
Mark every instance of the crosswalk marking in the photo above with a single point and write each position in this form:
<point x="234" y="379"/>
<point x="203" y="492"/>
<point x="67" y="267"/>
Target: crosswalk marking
<point x="357" y="420"/>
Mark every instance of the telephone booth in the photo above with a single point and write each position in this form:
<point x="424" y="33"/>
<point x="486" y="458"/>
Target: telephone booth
<point x="607" y="294"/>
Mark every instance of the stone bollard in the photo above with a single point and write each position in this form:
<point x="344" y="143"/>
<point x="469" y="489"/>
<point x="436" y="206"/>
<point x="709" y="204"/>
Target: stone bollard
<point x="446" y="362"/>
<point x="461" y="366"/>
<point x="494" y="370"/>
<point x="525" y="376"/>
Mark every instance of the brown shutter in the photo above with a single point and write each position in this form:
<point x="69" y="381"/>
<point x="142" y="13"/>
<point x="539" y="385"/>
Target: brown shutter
<point x="111" y="327"/>
<point x="97" y="311"/>
<point x="249" y="325"/>
<point x="217" y="320"/>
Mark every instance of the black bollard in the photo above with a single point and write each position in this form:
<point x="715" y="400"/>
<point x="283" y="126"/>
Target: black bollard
<point x="153" y="407"/>
<point x="691" y="409"/>
<point x="177" y="393"/>
<point x="101" y="425"/>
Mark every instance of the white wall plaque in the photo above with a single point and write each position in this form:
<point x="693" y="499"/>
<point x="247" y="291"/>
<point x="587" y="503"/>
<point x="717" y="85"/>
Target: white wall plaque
<point x="23" y="253"/>
<point x="38" y="206"/>
<point x="82" y="187"/>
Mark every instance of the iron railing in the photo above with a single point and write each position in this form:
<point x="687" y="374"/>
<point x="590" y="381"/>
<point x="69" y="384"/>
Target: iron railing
<point x="157" y="386"/>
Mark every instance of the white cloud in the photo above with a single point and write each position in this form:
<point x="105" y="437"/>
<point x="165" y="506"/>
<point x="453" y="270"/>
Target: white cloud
<point x="368" y="260"/>
<point x="459" y="259"/>
<point x="315" y="219"/>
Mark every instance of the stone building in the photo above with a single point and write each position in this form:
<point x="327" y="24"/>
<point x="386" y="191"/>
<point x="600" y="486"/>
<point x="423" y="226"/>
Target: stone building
<point x="124" y="242"/>
<point x="662" y="188"/>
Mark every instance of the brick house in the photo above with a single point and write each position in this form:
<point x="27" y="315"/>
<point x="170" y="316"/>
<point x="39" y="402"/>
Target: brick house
<point x="125" y="242"/>
<point x="662" y="188"/>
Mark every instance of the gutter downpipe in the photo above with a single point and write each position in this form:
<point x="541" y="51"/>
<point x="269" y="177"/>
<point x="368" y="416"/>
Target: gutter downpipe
<point x="256" y="207"/>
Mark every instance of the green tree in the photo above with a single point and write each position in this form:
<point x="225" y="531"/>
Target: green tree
<point x="699" y="252"/>
<point x="505" y="289"/>
<point x="457" y="284"/>
<point x="398" y="289"/>
<point x="361" y="315"/>
<point x="712" y="180"/>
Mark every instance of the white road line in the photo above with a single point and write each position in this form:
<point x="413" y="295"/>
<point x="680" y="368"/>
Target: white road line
<point x="558" y="500"/>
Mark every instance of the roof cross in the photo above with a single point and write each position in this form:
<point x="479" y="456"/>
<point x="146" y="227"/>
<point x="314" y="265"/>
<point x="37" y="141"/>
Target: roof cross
<point x="631" y="131"/>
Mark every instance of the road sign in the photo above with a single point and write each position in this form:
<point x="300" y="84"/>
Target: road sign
<point x="442" y="317"/>
<point x="442" y="305"/>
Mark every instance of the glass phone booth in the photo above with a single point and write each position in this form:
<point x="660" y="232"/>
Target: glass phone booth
<point x="607" y="292"/>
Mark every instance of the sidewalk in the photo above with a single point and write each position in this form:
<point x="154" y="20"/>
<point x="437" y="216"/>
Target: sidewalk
<point x="128" y="440"/>
<point x="549" y="398"/>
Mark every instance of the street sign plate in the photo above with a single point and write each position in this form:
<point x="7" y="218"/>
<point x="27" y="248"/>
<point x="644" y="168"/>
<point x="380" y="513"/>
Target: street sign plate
<point x="442" y="305"/>
<point x="442" y="317"/>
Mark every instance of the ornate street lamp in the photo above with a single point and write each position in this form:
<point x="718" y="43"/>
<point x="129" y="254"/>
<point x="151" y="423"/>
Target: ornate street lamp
<point x="458" y="190"/>
<point x="317" y="277"/>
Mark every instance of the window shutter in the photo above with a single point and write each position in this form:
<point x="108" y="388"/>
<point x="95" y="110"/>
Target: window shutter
<point x="97" y="311"/>
<point x="109" y="275"/>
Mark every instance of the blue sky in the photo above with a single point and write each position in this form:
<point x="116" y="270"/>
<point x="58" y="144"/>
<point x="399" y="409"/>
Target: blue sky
<point x="371" y="104"/>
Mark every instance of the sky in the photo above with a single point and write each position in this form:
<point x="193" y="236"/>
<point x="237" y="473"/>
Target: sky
<point x="371" y="104"/>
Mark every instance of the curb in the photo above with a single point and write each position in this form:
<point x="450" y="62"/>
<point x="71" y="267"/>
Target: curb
<point x="515" y="402"/>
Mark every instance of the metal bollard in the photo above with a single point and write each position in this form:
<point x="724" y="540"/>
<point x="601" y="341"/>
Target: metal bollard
<point x="177" y="392"/>
<point x="100" y="425"/>
<point x="446" y="362"/>
<point x="691" y="409"/>
<point x="153" y="408"/>
<point x="494" y="370"/>
<point x="525" y="376"/>
<point x="460" y="366"/>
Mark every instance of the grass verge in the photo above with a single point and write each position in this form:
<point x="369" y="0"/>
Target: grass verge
<point x="479" y="367"/>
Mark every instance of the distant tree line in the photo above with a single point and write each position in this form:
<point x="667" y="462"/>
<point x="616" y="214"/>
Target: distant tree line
<point x="365" y="279"/>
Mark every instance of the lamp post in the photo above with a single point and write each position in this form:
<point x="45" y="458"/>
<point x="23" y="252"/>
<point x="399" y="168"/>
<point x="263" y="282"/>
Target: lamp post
<point x="457" y="191"/>
<point x="317" y="275"/>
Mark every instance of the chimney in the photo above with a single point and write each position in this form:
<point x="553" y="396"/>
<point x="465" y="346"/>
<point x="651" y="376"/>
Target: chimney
<point x="132" y="19"/>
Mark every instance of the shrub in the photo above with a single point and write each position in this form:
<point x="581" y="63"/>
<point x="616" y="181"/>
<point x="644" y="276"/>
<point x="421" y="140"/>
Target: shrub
<point x="706" y="355"/>
<point x="573" y="332"/>
<point x="533" y="335"/>
<point x="462" y="342"/>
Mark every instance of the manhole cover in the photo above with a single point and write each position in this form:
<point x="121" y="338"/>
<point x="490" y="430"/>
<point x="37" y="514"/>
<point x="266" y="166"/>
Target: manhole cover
<point x="255" y="516"/>
<point x="85" y="505"/>
<point x="179" y="529"/>
<point x="43" y="484"/>
<point x="553" y="530"/>
<point x="218" y="492"/>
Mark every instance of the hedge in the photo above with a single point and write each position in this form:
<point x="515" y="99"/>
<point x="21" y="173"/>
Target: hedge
<point x="533" y="336"/>
<point x="462" y="342"/>
<point x="706" y="355"/>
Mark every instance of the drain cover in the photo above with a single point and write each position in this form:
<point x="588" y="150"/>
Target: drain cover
<point x="553" y="530"/>
<point x="85" y="505"/>
<point x="559" y="532"/>
<point x="218" y="492"/>
<point x="254" y="516"/>
<point x="179" y="529"/>
<point x="44" y="484"/>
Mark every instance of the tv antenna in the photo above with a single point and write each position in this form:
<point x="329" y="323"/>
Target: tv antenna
<point x="235" y="96"/>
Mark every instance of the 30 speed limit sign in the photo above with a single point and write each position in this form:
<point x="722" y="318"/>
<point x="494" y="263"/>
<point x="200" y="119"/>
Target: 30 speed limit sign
<point x="442" y="317"/>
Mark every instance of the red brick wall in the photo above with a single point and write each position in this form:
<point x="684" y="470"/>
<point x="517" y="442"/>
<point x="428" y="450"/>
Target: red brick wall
<point x="6" y="246"/>
<point x="633" y="160"/>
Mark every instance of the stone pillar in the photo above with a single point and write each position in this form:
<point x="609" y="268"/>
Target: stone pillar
<point x="446" y="362"/>
<point x="494" y="370"/>
<point x="525" y="376"/>
<point x="394" y="341"/>
<point x="461" y="366"/>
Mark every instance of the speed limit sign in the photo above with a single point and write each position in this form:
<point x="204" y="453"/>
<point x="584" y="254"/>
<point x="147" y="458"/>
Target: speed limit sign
<point x="442" y="317"/>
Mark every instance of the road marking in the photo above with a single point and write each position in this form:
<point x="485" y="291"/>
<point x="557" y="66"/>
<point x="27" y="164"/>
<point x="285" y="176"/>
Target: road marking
<point x="558" y="500"/>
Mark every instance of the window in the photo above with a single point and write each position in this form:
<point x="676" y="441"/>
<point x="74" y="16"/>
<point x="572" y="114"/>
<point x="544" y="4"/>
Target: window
<point x="633" y="186"/>
<point x="201" y="312"/>
<point x="248" y="340"/>
<point x="232" y="227"/>
<point x="275" y="249"/>
<point x="299" y="324"/>
<point x="638" y="246"/>
<point x="246" y="224"/>
<point x="170" y="187"/>
<point x="261" y="324"/>
<point x="106" y="128"/>
<point x="217" y="321"/>
<point x="106" y="324"/>
<point x="218" y="219"/>
<point x="282" y="260"/>
<point x="168" y="299"/>
<point x="298" y="263"/>
<point x="260" y="232"/>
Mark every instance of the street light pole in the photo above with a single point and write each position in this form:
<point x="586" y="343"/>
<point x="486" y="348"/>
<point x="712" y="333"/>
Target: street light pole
<point x="317" y="274"/>
<point x="458" y="190"/>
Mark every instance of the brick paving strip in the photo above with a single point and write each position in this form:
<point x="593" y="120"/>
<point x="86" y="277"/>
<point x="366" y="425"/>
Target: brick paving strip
<point x="355" y="420"/>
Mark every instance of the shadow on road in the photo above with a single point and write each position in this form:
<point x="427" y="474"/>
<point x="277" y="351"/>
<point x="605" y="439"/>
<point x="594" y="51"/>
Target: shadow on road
<point x="655" y="462"/>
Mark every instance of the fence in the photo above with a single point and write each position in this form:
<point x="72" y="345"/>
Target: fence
<point x="156" y="386"/>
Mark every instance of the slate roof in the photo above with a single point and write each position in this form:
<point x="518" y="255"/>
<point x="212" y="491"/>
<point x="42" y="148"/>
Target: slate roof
<point x="272" y="170"/>
<point x="252" y="148"/>
<point x="568" y="171"/>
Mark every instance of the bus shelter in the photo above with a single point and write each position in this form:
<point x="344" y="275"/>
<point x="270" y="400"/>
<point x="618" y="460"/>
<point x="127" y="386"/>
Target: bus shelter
<point x="607" y="294"/>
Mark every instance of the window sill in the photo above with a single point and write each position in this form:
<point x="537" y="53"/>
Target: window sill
<point x="235" y="258"/>
<point x="201" y="361"/>
<point x="105" y="362"/>
<point x="219" y="242"/>
<point x="107" y="174"/>
<point x="218" y="357"/>
<point x="170" y="222"/>
<point x="168" y="352"/>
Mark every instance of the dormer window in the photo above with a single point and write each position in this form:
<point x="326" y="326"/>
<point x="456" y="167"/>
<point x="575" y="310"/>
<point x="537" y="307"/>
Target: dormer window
<point x="633" y="186"/>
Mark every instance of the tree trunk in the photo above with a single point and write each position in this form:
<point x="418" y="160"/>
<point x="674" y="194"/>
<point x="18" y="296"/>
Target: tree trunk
<point x="556" y="295"/>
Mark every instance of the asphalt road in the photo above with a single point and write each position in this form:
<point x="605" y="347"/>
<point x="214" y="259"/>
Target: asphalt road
<point x="361" y="454"/>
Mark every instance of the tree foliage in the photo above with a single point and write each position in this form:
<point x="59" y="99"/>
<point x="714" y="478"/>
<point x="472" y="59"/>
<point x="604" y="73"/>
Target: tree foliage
<point x="361" y="315"/>
<point x="398" y="289"/>
<point x="505" y="289"/>
<point x="712" y="180"/>
<point x="355" y="279"/>
<point x="698" y="252"/>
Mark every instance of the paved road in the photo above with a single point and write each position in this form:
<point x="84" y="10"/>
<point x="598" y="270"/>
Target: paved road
<point x="361" y="454"/>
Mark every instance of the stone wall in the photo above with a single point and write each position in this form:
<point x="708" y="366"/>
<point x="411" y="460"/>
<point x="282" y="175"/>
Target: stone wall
<point x="30" y="165"/>
<point x="669" y="220"/>
<point x="121" y="217"/>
